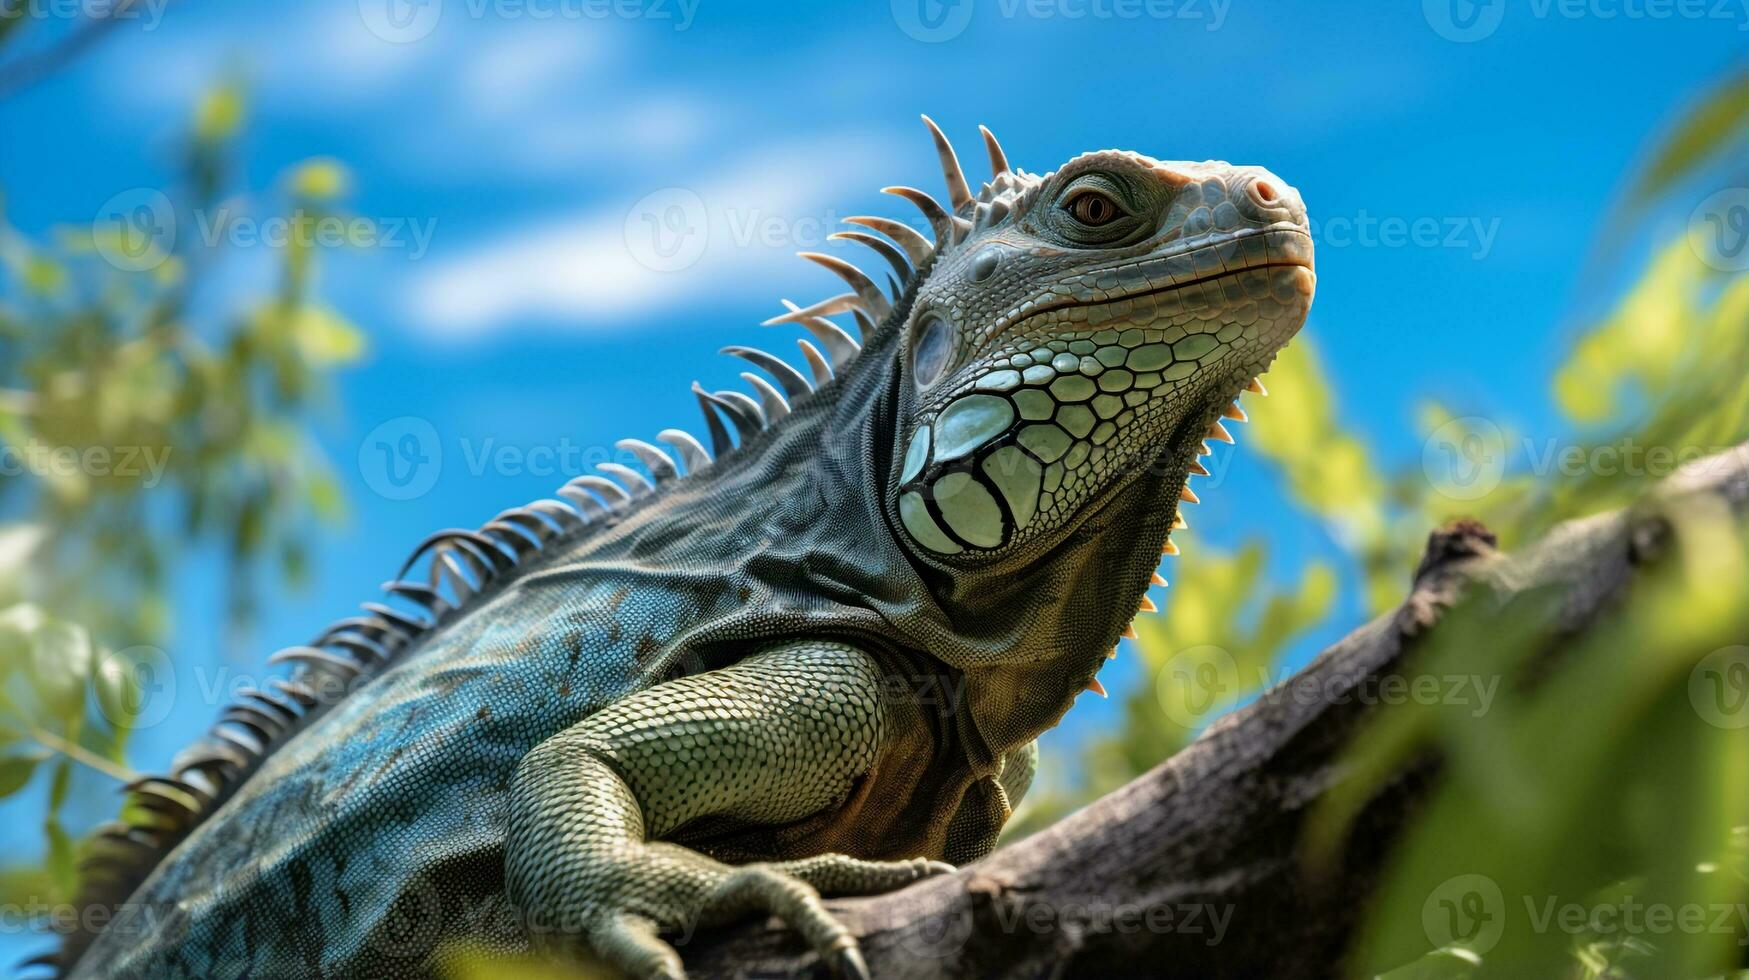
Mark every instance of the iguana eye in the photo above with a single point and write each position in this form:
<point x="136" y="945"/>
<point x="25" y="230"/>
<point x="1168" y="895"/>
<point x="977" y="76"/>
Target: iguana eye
<point x="1093" y="208"/>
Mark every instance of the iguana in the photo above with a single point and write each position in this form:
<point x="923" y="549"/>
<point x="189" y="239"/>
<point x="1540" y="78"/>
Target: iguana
<point x="814" y="662"/>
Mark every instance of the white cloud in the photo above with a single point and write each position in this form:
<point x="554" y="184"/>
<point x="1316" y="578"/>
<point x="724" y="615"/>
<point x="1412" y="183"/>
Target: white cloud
<point x="519" y="100"/>
<point x="307" y="57"/>
<point x="729" y="235"/>
<point x="502" y="73"/>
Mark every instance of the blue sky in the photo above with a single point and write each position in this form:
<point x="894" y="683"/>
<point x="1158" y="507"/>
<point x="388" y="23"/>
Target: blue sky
<point x="525" y="137"/>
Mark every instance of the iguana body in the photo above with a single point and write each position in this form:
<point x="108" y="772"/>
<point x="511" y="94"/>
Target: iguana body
<point x="815" y="664"/>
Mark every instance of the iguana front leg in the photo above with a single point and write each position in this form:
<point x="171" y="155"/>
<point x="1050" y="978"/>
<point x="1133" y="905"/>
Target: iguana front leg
<point x="770" y="740"/>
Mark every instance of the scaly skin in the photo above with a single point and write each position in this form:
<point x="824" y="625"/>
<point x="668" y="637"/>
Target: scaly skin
<point x="816" y="665"/>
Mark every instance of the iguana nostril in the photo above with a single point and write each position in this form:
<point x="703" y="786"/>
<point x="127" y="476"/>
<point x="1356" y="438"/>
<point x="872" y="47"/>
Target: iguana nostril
<point x="1264" y="193"/>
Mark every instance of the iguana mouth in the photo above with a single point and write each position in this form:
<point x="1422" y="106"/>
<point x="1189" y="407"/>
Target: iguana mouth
<point x="1284" y="248"/>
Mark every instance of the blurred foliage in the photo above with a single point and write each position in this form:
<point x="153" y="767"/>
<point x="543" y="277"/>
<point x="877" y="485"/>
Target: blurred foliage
<point x="1599" y="784"/>
<point x="146" y="410"/>
<point x="1705" y="132"/>
<point x="465" y="962"/>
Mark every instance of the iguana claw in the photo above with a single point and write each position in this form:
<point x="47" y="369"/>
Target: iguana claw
<point x="848" y="964"/>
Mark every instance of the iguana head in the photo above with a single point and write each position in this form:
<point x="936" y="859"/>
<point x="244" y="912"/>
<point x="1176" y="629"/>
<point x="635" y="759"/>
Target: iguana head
<point x="1064" y="348"/>
<point x="1085" y="325"/>
<point x="1030" y="403"/>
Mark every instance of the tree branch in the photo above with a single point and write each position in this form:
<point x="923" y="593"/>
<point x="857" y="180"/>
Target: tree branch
<point x="1197" y="869"/>
<point x="26" y="70"/>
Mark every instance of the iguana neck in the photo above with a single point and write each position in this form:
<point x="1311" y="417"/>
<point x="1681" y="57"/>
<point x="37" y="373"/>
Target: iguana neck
<point x="812" y="522"/>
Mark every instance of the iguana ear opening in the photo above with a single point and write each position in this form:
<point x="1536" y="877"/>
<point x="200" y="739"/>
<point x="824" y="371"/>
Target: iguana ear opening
<point x="931" y="349"/>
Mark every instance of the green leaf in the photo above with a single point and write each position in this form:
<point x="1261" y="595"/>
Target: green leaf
<point x="44" y="275"/>
<point x="61" y="660"/>
<point x="62" y="858"/>
<point x="1701" y="134"/>
<point x="324" y="337"/>
<point x="320" y="179"/>
<point x="117" y="690"/>
<point x="60" y="784"/>
<point x="219" y="114"/>
<point x="15" y="772"/>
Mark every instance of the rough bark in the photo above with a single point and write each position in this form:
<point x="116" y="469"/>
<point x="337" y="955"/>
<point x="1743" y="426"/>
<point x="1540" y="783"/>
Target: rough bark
<point x="1116" y="889"/>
